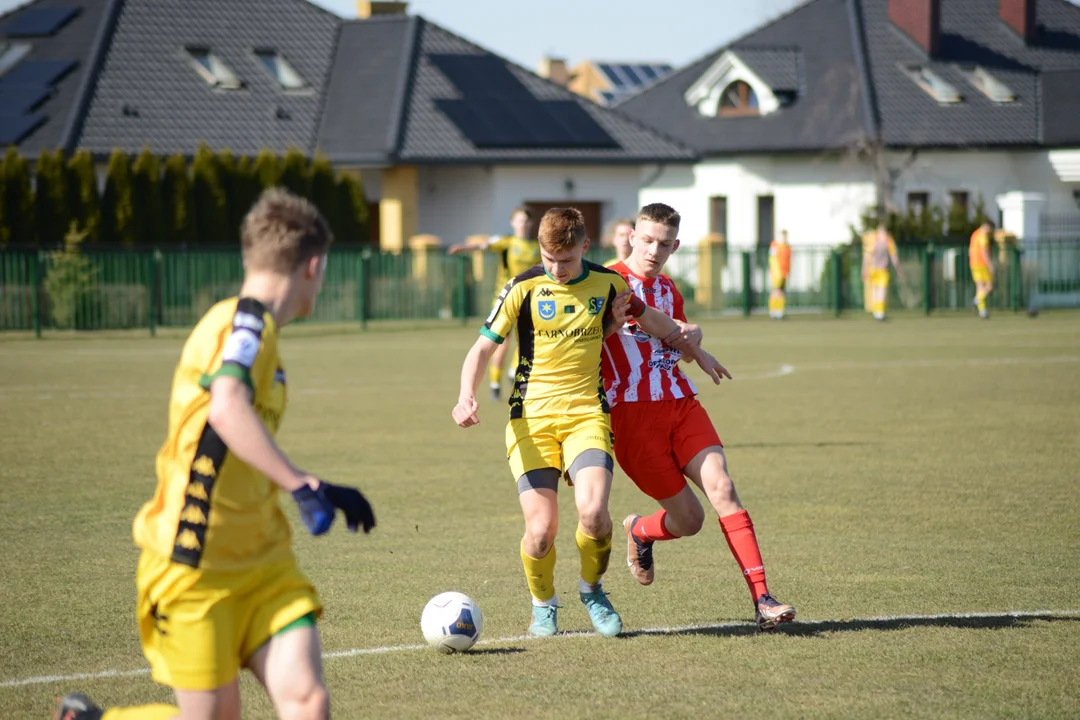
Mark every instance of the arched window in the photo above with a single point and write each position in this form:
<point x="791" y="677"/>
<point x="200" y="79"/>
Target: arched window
<point x="738" y="99"/>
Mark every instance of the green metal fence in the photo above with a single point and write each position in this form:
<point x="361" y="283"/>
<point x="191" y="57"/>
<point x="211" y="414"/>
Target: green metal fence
<point x="118" y="289"/>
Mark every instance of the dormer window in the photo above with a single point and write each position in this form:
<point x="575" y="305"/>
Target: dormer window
<point x="212" y="69"/>
<point x="990" y="86"/>
<point x="738" y="100"/>
<point x="933" y="84"/>
<point x="285" y="74"/>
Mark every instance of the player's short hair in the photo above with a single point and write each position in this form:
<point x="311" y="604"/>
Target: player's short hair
<point x="282" y="231"/>
<point x="524" y="210"/>
<point x="660" y="213"/>
<point x="562" y="229"/>
<point x="989" y="223"/>
<point x="623" y="221"/>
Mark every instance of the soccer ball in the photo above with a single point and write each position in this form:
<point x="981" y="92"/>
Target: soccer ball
<point x="451" y="622"/>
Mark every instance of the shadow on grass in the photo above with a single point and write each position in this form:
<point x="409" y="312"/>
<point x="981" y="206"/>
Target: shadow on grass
<point x="493" y="651"/>
<point x="820" y="627"/>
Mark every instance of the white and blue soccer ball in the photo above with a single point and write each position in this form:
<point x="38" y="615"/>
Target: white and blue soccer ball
<point x="451" y="622"/>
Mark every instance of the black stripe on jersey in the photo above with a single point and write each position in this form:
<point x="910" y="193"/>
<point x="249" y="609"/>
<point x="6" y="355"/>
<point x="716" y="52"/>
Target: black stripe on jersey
<point x="593" y="267"/>
<point x="527" y="275"/>
<point x="191" y="530"/>
<point x="599" y="369"/>
<point x="526" y="352"/>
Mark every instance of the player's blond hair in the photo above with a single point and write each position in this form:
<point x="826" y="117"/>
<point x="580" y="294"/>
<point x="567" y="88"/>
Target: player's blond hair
<point x="660" y="213"/>
<point x="562" y="229"/>
<point x="282" y="231"/>
<point x="524" y="211"/>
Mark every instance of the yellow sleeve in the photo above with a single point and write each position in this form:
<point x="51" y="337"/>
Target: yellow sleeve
<point x="504" y="315"/>
<point x="250" y="351"/>
<point x="500" y="245"/>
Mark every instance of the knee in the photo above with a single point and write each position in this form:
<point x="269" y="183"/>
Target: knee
<point x="539" y="537"/>
<point x="316" y="704"/>
<point x="686" y="521"/>
<point x="594" y="519"/>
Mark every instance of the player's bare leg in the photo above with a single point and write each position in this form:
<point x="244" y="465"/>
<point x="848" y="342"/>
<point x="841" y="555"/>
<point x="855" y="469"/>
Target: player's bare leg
<point x="289" y="666"/>
<point x="222" y="703"/>
<point x="708" y="470"/>
<point x="592" y="489"/>
<point x="540" y="506"/>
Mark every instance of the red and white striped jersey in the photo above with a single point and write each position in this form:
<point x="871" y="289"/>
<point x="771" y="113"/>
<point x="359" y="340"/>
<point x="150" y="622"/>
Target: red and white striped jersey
<point x="636" y="366"/>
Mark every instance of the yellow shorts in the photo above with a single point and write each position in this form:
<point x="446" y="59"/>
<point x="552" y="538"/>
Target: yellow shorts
<point x="199" y="627"/>
<point x="554" y="442"/>
<point x="879" y="278"/>
<point x="981" y="275"/>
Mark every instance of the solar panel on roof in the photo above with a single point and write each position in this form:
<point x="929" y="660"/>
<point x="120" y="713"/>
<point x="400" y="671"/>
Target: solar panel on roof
<point x="628" y="71"/>
<point x="612" y="75"/>
<point x="480" y="76"/>
<point x="38" y="22"/>
<point x="607" y="96"/>
<point x="38" y="73"/>
<point x="647" y="72"/>
<point x="21" y="100"/>
<point x="13" y="128"/>
<point x="498" y="111"/>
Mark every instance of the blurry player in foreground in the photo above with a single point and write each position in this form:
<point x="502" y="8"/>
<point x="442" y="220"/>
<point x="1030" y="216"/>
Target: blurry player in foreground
<point x="662" y="433"/>
<point x="517" y="253"/>
<point x="219" y="588"/>
<point x="559" y="419"/>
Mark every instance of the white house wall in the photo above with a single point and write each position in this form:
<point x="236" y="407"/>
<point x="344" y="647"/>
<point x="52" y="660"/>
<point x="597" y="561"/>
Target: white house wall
<point x="989" y="174"/>
<point x="614" y="186"/>
<point x="455" y="202"/>
<point x="815" y="199"/>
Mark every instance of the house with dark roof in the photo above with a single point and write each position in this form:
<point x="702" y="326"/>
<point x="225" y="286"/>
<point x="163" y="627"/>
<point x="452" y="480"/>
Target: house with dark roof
<point x="447" y="137"/>
<point x="800" y="122"/>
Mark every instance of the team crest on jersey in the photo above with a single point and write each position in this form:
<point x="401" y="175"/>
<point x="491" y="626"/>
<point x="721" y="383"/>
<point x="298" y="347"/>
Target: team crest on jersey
<point x="547" y="309"/>
<point x="596" y="305"/>
<point x="641" y="336"/>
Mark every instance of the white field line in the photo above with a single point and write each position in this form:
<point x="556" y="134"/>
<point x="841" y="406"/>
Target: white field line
<point x="672" y="630"/>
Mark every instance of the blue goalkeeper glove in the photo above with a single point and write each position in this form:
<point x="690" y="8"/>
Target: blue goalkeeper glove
<point x="318" y="507"/>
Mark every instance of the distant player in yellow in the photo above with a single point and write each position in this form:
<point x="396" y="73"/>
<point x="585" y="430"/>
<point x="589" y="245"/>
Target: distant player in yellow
<point x="517" y="253"/>
<point x="982" y="266"/>
<point x="877" y="254"/>
<point x="559" y="416"/>
<point x="219" y="588"/>
<point x="779" y="270"/>
<point x="620" y="240"/>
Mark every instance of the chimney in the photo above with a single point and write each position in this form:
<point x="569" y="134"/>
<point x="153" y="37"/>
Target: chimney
<point x="1020" y="16"/>
<point x="554" y="69"/>
<point x="366" y="9"/>
<point x="920" y="20"/>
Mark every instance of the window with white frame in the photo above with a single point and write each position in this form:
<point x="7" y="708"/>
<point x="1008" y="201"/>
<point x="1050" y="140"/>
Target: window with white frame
<point x="280" y="68"/>
<point x="212" y="69"/>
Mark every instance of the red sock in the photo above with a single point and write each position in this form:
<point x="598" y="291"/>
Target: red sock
<point x="651" y="528"/>
<point x="739" y="531"/>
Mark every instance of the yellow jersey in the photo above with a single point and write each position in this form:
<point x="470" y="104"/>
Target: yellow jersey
<point x="978" y="249"/>
<point x="780" y="259"/>
<point x="516" y="255"/>
<point x="560" y="335"/>
<point x="210" y="509"/>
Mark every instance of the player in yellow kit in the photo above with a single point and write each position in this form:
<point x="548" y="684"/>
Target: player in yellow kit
<point x="219" y="588"/>
<point x="779" y="270"/>
<point x="877" y="254"/>
<point x="559" y="421"/>
<point x="982" y="266"/>
<point x="517" y="253"/>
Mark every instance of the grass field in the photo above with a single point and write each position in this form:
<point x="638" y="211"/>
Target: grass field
<point x="924" y="467"/>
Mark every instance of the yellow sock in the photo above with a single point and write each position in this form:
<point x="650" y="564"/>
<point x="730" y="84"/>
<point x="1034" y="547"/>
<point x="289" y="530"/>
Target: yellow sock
<point x="878" y="306"/>
<point x="781" y="303"/>
<point x="980" y="300"/>
<point x="496" y="374"/>
<point x="595" y="553"/>
<point x="142" y="712"/>
<point x="540" y="573"/>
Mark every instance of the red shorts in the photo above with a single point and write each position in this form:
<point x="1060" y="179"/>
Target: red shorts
<point x="655" y="440"/>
